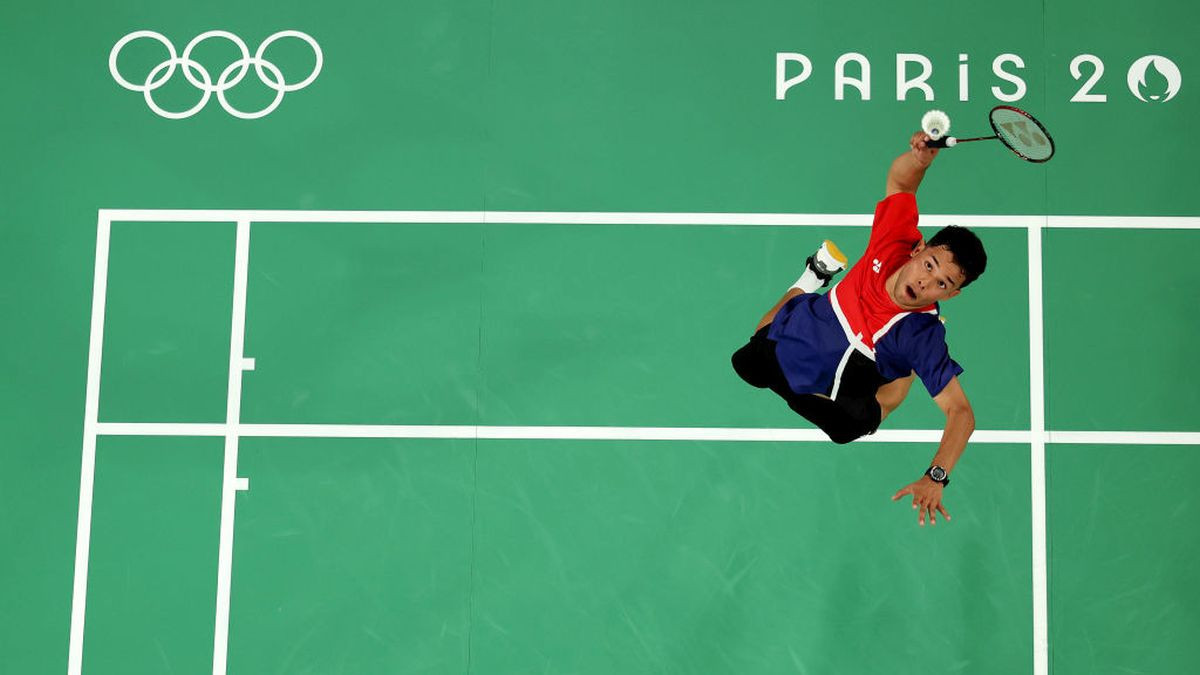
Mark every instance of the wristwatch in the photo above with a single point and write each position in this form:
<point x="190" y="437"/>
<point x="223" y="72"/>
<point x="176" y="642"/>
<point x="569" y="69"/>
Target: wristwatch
<point x="938" y="475"/>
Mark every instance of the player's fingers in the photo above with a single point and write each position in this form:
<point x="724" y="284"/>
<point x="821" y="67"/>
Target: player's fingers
<point x="943" y="510"/>
<point x="903" y="491"/>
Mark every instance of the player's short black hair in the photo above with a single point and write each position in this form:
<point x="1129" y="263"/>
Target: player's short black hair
<point x="965" y="247"/>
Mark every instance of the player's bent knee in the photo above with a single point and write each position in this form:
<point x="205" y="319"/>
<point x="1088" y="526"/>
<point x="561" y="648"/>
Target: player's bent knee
<point x="843" y="421"/>
<point x="844" y="436"/>
<point x="744" y="366"/>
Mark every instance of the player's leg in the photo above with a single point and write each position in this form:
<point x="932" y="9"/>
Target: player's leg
<point x="819" y="270"/>
<point x="853" y="415"/>
<point x="843" y="421"/>
<point x="770" y="315"/>
<point x="892" y="394"/>
<point x="755" y="362"/>
<point x="853" y="412"/>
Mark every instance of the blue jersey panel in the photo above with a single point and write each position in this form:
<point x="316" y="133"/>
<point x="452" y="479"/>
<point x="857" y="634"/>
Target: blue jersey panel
<point x="810" y="343"/>
<point x="917" y="343"/>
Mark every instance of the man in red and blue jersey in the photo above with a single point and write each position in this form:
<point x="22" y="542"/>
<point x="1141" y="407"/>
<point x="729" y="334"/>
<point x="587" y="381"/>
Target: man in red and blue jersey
<point x="844" y="360"/>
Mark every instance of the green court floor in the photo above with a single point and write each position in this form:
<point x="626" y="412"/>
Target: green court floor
<point x="509" y="441"/>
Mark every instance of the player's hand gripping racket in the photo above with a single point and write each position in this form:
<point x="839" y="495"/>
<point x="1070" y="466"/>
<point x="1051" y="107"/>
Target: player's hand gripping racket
<point x="1015" y="128"/>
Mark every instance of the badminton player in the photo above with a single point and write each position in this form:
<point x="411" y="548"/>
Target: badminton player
<point x="844" y="360"/>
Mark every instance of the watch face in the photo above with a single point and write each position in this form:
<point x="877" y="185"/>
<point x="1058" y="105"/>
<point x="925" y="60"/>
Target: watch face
<point x="937" y="473"/>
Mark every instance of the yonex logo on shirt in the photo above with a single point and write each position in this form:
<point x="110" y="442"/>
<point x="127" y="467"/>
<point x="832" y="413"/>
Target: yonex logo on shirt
<point x="875" y="265"/>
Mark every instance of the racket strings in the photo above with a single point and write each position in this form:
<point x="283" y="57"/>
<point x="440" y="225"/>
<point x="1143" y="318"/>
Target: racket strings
<point x="1024" y="135"/>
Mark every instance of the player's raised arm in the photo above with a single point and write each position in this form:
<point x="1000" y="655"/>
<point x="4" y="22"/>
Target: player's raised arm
<point x="908" y="169"/>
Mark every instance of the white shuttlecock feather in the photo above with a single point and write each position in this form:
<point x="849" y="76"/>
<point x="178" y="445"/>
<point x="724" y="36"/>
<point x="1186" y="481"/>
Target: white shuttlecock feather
<point x="935" y="123"/>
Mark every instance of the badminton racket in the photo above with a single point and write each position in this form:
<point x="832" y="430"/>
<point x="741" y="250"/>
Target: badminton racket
<point x="1016" y="129"/>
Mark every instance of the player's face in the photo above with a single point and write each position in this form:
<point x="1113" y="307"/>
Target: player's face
<point x="931" y="276"/>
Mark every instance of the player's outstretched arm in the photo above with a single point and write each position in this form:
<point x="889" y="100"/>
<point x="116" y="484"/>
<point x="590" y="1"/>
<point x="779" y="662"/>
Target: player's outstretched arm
<point x="908" y="169"/>
<point x="960" y="423"/>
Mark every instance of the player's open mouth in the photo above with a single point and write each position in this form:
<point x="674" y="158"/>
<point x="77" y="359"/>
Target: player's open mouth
<point x="908" y="290"/>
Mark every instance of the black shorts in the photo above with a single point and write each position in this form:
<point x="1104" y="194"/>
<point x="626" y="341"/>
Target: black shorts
<point x="853" y="415"/>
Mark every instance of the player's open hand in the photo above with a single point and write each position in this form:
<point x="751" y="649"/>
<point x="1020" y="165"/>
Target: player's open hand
<point x="924" y="155"/>
<point x="927" y="498"/>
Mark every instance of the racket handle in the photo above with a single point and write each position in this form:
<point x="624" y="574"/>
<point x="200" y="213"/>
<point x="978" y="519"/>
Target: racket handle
<point x="943" y="142"/>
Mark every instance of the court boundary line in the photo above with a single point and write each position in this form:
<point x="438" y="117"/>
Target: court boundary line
<point x="230" y="483"/>
<point x="604" y="433"/>
<point x="1037" y="458"/>
<point x="87" y="471"/>
<point x="1015" y="221"/>
<point x="1037" y="436"/>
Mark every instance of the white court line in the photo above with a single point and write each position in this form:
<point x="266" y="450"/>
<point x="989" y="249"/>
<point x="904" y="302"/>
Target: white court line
<point x="1037" y="457"/>
<point x="638" y="218"/>
<point x="596" y="433"/>
<point x="1126" y="222"/>
<point x="230" y="482"/>
<point x="1124" y="437"/>
<point x="562" y="433"/>
<point x="87" y="469"/>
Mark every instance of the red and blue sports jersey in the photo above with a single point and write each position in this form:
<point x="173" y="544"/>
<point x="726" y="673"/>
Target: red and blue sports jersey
<point x="815" y="334"/>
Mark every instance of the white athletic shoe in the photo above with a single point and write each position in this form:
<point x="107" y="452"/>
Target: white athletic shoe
<point x="827" y="261"/>
<point x="821" y="267"/>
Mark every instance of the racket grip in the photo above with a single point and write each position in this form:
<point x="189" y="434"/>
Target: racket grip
<point x="943" y="142"/>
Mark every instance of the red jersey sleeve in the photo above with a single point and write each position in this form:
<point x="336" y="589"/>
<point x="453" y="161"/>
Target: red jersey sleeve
<point x="894" y="216"/>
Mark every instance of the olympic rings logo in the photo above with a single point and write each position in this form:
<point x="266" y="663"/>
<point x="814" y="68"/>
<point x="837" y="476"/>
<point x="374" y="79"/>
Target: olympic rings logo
<point x="200" y="78"/>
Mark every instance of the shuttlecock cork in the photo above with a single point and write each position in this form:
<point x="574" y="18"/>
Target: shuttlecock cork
<point x="935" y="123"/>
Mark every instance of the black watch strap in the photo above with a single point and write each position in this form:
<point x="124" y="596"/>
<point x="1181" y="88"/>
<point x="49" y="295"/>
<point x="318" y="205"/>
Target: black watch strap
<point x="934" y="475"/>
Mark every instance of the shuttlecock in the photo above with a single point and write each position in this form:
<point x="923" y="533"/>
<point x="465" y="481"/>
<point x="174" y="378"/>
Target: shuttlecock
<point x="935" y="123"/>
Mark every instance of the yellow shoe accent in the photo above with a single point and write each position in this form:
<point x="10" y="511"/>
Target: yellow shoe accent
<point x="835" y="252"/>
